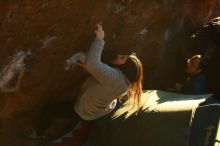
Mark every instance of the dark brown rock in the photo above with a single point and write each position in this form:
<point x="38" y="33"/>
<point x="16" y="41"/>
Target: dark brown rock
<point x="53" y="30"/>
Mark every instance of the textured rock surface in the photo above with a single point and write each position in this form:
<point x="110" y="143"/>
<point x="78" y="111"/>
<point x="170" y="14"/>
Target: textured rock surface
<point x="52" y="30"/>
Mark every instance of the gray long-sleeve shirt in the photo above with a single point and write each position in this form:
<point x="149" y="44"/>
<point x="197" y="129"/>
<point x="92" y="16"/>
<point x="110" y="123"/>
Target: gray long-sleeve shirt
<point x="99" y="92"/>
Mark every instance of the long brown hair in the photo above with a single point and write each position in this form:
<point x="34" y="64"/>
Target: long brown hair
<point x="133" y="70"/>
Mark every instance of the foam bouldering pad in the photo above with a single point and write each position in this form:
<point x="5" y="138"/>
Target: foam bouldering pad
<point x="205" y="126"/>
<point x="163" y="120"/>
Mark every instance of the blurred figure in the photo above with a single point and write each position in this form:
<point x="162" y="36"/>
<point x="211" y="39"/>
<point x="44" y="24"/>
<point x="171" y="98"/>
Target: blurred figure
<point x="196" y="82"/>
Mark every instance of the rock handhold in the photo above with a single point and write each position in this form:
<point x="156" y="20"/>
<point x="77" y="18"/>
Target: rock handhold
<point x="12" y="73"/>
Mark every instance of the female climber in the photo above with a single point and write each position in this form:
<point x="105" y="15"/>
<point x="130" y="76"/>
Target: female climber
<point x="100" y="92"/>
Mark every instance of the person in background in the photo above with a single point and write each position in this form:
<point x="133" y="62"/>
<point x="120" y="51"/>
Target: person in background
<point x="196" y="82"/>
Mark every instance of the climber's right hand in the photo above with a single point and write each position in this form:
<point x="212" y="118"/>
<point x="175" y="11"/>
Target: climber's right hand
<point x="100" y="34"/>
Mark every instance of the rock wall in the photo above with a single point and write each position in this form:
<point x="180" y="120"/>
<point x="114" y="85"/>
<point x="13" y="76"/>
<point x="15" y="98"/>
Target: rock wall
<point x="48" y="31"/>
